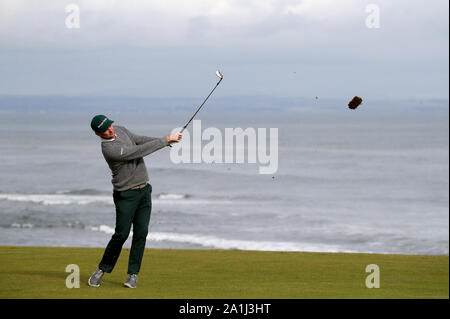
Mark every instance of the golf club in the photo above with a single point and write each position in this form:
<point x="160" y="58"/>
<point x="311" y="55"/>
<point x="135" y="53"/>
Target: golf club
<point x="221" y="78"/>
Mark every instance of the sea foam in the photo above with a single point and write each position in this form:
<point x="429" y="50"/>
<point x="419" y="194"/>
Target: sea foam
<point x="214" y="242"/>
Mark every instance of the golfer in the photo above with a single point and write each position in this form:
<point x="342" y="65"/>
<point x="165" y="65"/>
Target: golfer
<point x="124" y="152"/>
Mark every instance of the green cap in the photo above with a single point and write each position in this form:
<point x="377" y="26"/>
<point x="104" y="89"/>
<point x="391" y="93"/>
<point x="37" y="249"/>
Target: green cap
<point x="100" y="123"/>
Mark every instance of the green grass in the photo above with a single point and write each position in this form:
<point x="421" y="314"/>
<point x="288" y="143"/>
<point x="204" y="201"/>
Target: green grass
<point x="39" y="272"/>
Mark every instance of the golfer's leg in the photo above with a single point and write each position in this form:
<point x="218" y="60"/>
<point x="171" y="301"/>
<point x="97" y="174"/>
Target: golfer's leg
<point x="126" y="206"/>
<point x="140" y="230"/>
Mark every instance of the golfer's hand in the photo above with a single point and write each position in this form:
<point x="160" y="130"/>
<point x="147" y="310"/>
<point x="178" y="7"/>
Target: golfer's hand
<point x="174" y="137"/>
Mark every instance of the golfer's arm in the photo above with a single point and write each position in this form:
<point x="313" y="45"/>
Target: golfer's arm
<point x="140" y="139"/>
<point x="126" y="153"/>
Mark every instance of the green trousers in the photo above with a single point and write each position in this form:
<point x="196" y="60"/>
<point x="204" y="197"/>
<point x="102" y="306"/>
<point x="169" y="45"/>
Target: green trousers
<point x="133" y="208"/>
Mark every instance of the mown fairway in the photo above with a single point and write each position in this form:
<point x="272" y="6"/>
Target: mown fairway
<point x="39" y="272"/>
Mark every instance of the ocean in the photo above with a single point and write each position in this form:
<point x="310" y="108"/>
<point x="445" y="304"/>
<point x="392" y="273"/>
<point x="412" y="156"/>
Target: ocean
<point x="366" y="181"/>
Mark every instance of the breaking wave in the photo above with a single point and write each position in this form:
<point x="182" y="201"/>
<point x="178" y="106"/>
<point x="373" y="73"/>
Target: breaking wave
<point x="214" y="242"/>
<point x="82" y="198"/>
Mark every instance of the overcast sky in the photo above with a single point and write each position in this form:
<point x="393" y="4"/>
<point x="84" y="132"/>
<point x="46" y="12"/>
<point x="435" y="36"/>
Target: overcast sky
<point x="284" y="48"/>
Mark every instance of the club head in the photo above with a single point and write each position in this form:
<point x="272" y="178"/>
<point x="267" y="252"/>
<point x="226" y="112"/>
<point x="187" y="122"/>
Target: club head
<point x="219" y="74"/>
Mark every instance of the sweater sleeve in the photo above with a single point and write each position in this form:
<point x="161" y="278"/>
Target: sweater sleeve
<point x="139" y="139"/>
<point x="117" y="152"/>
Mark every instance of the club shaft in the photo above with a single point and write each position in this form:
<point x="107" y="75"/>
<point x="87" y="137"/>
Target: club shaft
<point x="200" y="106"/>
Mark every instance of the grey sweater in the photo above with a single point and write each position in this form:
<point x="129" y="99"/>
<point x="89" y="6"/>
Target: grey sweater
<point x="124" y="156"/>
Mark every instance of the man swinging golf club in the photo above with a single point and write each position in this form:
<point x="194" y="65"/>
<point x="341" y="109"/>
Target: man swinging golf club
<point x="124" y="152"/>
